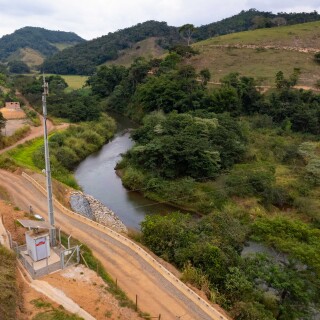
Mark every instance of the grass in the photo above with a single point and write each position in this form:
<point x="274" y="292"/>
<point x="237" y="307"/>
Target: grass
<point x="262" y="64"/>
<point x="75" y="82"/>
<point x="56" y="314"/>
<point x="29" y="56"/>
<point x="8" y="286"/>
<point x="22" y="155"/>
<point x="18" y="135"/>
<point x="146" y="48"/>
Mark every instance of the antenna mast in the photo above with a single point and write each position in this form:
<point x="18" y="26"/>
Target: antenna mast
<point x="47" y="161"/>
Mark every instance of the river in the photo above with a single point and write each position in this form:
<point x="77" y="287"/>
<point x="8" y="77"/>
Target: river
<point x="97" y="177"/>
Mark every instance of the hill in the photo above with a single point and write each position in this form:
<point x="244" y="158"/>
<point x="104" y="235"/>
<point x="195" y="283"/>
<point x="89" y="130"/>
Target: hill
<point x="85" y="57"/>
<point x="32" y="44"/>
<point x="148" y="48"/>
<point x="262" y="53"/>
<point x="120" y="47"/>
<point x="252" y="19"/>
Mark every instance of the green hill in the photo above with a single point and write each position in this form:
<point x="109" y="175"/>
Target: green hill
<point x="252" y="19"/>
<point x="32" y="44"/>
<point x="120" y="47"/>
<point x="262" y="53"/>
<point x="147" y="48"/>
<point x="85" y="57"/>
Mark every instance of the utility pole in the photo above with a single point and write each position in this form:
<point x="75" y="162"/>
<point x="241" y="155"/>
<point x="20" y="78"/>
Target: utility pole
<point x="47" y="161"/>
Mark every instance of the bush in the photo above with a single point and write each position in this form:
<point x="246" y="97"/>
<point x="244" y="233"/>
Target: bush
<point x="248" y="180"/>
<point x="317" y="57"/>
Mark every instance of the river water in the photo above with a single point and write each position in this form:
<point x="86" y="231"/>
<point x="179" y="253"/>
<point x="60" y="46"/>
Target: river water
<point x="97" y="177"/>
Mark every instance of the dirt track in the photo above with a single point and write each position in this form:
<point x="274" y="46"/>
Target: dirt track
<point x="155" y="294"/>
<point x="35" y="133"/>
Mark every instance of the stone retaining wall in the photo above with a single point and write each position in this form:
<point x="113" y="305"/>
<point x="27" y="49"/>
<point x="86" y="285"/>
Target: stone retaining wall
<point x="93" y="209"/>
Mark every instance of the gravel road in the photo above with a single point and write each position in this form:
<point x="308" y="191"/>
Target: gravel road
<point x="156" y="295"/>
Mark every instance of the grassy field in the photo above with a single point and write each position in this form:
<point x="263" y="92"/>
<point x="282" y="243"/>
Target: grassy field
<point x="29" y="56"/>
<point x="75" y="82"/>
<point x="259" y="62"/>
<point x="22" y="155"/>
<point x="306" y="35"/>
<point x="146" y="48"/>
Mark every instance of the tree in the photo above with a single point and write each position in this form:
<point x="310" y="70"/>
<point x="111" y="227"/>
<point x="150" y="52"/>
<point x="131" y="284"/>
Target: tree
<point x="2" y="121"/>
<point x="18" y="67"/>
<point x="317" y="57"/>
<point x="281" y="82"/>
<point x="279" y="21"/>
<point x="205" y="76"/>
<point x="186" y="32"/>
<point x="106" y="79"/>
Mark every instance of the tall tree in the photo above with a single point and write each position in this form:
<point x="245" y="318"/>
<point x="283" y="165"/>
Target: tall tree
<point x="186" y="32"/>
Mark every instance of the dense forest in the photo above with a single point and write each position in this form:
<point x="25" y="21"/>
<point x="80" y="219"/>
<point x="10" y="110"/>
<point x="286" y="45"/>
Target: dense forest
<point x="252" y="19"/>
<point x="220" y="152"/>
<point x="35" y="38"/>
<point x="85" y="57"/>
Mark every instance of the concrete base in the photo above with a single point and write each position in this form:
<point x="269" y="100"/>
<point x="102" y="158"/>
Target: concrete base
<point x="37" y="265"/>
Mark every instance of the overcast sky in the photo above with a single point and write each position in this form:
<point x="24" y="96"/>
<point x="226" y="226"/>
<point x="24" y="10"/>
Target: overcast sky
<point x="94" y="18"/>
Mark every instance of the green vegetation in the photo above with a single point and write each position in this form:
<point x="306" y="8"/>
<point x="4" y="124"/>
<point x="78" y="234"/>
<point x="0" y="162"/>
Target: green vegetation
<point x="265" y="58"/>
<point x="56" y="314"/>
<point x="18" y="67"/>
<point x="85" y="57"/>
<point x="248" y="162"/>
<point x="114" y="47"/>
<point x="52" y="313"/>
<point x="253" y="19"/>
<point x="32" y="116"/>
<point x="75" y="82"/>
<point x="38" y="39"/>
<point x="148" y="49"/>
<point x="18" y="135"/>
<point x="67" y="148"/>
<point x="74" y="106"/>
<point x="8" y="286"/>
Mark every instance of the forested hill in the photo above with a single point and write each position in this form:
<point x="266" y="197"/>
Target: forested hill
<point x="85" y="57"/>
<point x="46" y="42"/>
<point x="252" y="19"/>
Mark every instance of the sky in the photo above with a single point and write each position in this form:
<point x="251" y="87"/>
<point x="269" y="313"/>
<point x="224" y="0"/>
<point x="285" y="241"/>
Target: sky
<point x="94" y="18"/>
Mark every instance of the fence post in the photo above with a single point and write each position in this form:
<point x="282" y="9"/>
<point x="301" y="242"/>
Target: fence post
<point x="159" y="316"/>
<point x="136" y="302"/>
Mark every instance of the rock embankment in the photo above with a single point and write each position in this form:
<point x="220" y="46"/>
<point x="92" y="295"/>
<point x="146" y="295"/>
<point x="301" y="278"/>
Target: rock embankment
<point x="93" y="209"/>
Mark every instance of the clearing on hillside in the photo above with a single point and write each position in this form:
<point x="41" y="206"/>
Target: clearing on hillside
<point x="262" y="53"/>
<point x="12" y="113"/>
<point x="147" y="48"/>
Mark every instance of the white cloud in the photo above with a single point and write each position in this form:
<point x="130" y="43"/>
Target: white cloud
<point x="94" y="18"/>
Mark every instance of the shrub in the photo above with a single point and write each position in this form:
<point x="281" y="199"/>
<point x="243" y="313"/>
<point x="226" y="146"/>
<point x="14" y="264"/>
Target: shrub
<point x="317" y="57"/>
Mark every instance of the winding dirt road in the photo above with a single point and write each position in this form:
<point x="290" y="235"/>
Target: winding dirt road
<point x="36" y="132"/>
<point x="156" y="295"/>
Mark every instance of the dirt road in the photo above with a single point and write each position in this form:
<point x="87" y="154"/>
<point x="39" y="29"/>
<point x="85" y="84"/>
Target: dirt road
<point x="156" y="295"/>
<point x="35" y="133"/>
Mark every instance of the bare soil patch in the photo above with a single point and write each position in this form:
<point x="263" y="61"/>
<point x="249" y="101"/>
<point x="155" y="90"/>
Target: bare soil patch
<point x="13" y="114"/>
<point x="90" y="292"/>
<point x="13" y="125"/>
<point x="10" y="214"/>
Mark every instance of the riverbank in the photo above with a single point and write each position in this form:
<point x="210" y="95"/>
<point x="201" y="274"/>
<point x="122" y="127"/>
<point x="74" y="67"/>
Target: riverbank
<point x="67" y="149"/>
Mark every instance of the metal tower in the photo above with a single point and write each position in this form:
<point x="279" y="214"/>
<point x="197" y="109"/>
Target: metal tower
<point x="47" y="161"/>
